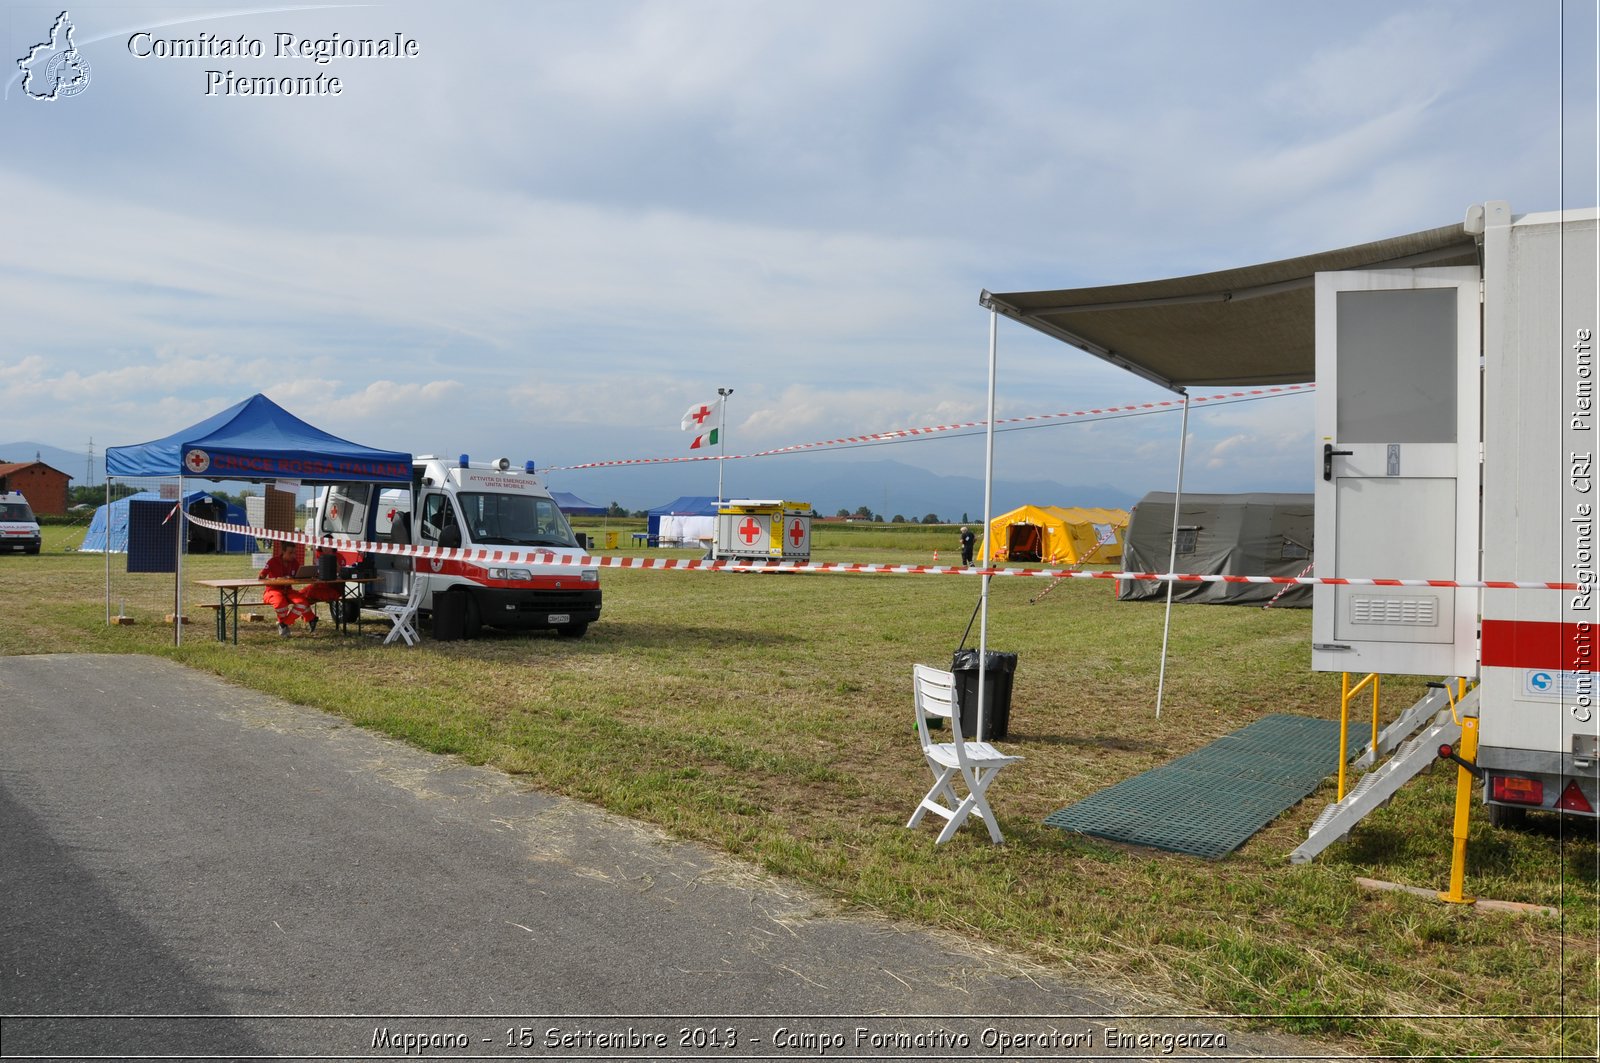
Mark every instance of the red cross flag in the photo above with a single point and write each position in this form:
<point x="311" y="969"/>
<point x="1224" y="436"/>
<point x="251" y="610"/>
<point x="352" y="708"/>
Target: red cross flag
<point x="702" y="417"/>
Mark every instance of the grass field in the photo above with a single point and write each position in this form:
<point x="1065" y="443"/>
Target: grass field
<point x="770" y="715"/>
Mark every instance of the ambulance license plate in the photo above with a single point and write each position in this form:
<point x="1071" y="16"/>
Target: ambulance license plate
<point x="559" y="618"/>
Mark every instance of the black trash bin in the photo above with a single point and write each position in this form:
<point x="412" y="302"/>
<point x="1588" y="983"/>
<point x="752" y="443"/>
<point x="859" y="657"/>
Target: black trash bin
<point x="998" y="668"/>
<point x="449" y="616"/>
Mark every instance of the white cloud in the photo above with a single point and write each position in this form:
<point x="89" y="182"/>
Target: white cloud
<point x="566" y="221"/>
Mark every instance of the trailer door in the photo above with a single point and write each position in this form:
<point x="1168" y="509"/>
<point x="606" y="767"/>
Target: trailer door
<point x="1397" y="469"/>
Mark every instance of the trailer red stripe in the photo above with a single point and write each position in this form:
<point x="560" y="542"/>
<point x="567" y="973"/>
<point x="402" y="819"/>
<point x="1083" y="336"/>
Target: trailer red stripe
<point x="1539" y="644"/>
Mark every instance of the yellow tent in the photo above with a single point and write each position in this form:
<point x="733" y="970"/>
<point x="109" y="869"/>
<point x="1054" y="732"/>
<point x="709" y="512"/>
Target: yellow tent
<point x="1053" y="535"/>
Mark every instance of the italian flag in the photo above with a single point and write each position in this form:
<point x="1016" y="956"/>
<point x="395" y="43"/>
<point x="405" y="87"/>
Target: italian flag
<point x="707" y="440"/>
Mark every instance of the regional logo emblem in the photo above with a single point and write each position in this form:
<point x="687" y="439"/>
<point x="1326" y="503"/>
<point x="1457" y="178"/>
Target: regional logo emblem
<point x="55" y="68"/>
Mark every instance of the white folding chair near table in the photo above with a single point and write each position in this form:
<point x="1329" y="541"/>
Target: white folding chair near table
<point x="975" y="764"/>
<point x="404" y="615"/>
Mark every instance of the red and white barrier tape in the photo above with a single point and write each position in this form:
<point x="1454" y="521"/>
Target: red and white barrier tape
<point x="1286" y="590"/>
<point x="540" y="556"/>
<point x="1164" y="406"/>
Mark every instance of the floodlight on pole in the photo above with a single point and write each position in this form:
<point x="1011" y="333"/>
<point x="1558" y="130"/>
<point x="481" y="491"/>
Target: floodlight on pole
<point x="722" y="437"/>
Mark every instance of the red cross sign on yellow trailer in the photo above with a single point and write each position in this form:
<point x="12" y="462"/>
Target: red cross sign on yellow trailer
<point x="759" y="529"/>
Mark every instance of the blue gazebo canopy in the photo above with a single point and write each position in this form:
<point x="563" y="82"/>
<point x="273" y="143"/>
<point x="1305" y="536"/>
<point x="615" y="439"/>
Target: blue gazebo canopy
<point x="572" y="505"/>
<point x="258" y="440"/>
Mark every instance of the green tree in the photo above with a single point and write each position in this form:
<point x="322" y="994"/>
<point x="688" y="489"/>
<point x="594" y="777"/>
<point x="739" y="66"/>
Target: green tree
<point x="898" y="518"/>
<point x="865" y="512"/>
<point x="842" y="513"/>
<point x="931" y="518"/>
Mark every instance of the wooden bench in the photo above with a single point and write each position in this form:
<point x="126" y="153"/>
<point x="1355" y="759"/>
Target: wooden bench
<point x="219" y="611"/>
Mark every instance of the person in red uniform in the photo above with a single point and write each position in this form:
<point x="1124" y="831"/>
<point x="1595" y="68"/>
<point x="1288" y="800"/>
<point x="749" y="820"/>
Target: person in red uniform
<point x="289" y="603"/>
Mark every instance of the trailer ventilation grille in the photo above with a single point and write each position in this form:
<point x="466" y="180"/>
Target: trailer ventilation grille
<point x="1416" y="612"/>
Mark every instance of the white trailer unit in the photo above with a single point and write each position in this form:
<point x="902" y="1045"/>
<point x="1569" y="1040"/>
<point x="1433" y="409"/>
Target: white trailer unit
<point x="1455" y="442"/>
<point x="1537" y="735"/>
<point x="1406" y="490"/>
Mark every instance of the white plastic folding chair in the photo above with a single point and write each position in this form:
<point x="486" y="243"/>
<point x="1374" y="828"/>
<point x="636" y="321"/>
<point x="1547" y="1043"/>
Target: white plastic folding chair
<point x="404" y="615"/>
<point x="974" y="763"/>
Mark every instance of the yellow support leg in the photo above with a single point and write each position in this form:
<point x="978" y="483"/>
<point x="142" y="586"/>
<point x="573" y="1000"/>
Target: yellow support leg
<point x="1468" y="752"/>
<point x="1347" y="694"/>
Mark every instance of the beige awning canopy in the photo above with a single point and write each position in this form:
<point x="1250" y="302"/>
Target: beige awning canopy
<point x="1245" y="326"/>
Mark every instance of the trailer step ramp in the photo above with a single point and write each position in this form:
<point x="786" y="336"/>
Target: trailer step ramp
<point x="1404" y="726"/>
<point x="1376" y="787"/>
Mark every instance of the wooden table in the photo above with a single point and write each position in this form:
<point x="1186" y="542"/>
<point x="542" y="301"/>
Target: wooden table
<point x="351" y="592"/>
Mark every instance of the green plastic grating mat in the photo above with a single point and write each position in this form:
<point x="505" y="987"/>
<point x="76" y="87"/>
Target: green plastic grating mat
<point x="1210" y="802"/>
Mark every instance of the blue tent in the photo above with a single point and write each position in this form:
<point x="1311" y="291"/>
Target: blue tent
<point x="258" y="440"/>
<point x="114" y="519"/>
<point x="684" y="506"/>
<point x="573" y="506"/>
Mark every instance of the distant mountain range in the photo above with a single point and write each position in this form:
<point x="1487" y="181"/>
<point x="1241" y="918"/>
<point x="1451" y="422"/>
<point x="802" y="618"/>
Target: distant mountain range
<point x="888" y="488"/>
<point x="75" y="465"/>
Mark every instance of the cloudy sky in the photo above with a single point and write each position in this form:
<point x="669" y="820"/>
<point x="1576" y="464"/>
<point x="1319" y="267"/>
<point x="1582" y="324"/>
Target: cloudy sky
<point x="562" y="222"/>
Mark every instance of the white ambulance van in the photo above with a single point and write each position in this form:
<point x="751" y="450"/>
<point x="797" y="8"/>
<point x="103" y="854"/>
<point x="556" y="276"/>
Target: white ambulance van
<point x="503" y="513"/>
<point x="19" y="529"/>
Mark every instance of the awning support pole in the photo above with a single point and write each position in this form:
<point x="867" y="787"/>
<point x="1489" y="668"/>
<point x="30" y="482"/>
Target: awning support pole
<point x="1172" y="555"/>
<point x="988" y="505"/>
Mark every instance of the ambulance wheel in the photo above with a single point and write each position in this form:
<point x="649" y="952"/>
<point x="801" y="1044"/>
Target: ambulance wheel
<point x="471" y="619"/>
<point x="571" y="631"/>
<point x="1506" y="817"/>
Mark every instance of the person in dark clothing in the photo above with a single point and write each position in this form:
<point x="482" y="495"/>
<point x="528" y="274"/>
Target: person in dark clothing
<point x="967" y="541"/>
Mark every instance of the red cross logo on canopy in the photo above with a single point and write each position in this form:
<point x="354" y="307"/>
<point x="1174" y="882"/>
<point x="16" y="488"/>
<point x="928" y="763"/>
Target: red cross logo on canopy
<point x="797" y="533"/>
<point x="749" y="531"/>
<point x="197" y="461"/>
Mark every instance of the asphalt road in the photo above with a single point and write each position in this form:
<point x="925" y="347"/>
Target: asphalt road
<point x="191" y="869"/>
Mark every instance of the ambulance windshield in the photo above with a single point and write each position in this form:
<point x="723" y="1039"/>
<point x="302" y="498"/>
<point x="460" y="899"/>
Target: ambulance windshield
<point x="514" y="520"/>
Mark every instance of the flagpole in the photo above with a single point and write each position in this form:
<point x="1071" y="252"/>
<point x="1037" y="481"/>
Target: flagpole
<point x="722" y="437"/>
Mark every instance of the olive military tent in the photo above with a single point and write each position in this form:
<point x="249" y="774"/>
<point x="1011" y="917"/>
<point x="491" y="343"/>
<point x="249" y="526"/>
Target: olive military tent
<point x="1054" y="535"/>
<point x="1259" y="534"/>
